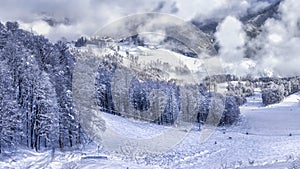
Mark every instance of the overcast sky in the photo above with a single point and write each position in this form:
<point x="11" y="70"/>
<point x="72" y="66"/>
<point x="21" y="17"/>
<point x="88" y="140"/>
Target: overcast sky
<point x="84" y="17"/>
<point x="279" y="40"/>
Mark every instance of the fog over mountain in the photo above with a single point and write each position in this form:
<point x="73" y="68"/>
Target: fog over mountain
<point x="252" y="35"/>
<point x="276" y="51"/>
<point x="74" y="18"/>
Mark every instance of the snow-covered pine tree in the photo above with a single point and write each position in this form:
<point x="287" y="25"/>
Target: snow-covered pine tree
<point x="46" y="113"/>
<point x="9" y="111"/>
<point x="41" y="73"/>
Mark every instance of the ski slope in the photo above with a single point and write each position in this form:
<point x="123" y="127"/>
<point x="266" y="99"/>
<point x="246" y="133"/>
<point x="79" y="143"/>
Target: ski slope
<point x="261" y="139"/>
<point x="277" y="119"/>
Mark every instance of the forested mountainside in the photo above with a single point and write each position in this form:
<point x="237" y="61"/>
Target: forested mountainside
<point x="36" y="108"/>
<point x="158" y="101"/>
<point x="36" y="94"/>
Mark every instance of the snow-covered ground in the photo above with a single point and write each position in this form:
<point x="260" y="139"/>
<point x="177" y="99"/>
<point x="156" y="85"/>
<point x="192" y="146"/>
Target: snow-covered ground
<point x="265" y="137"/>
<point x="277" y="119"/>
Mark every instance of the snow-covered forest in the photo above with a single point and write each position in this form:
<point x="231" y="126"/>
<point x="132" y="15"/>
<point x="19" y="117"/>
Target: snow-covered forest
<point x="36" y="92"/>
<point x="37" y="108"/>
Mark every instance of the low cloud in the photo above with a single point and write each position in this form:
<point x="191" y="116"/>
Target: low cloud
<point x="280" y="41"/>
<point x="83" y="17"/>
<point x="231" y="38"/>
<point x="77" y="17"/>
<point x="277" y="45"/>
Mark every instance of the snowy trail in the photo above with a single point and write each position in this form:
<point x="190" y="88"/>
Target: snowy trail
<point x="267" y="144"/>
<point x="28" y="159"/>
<point x="40" y="163"/>
<point x="278" y="119"/>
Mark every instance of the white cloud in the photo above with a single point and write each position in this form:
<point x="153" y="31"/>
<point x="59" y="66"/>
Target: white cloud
<point x="231" y="38"/>
<point x="37" y="27"/>
<point x="85" y="17"/>
<point x="279" y="53"/>
<point x="280" y="39"/>
<point x="202" y="10"/>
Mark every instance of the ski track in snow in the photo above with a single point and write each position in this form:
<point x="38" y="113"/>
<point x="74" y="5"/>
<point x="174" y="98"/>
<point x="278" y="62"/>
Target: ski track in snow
<point x="260" y="140"/>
